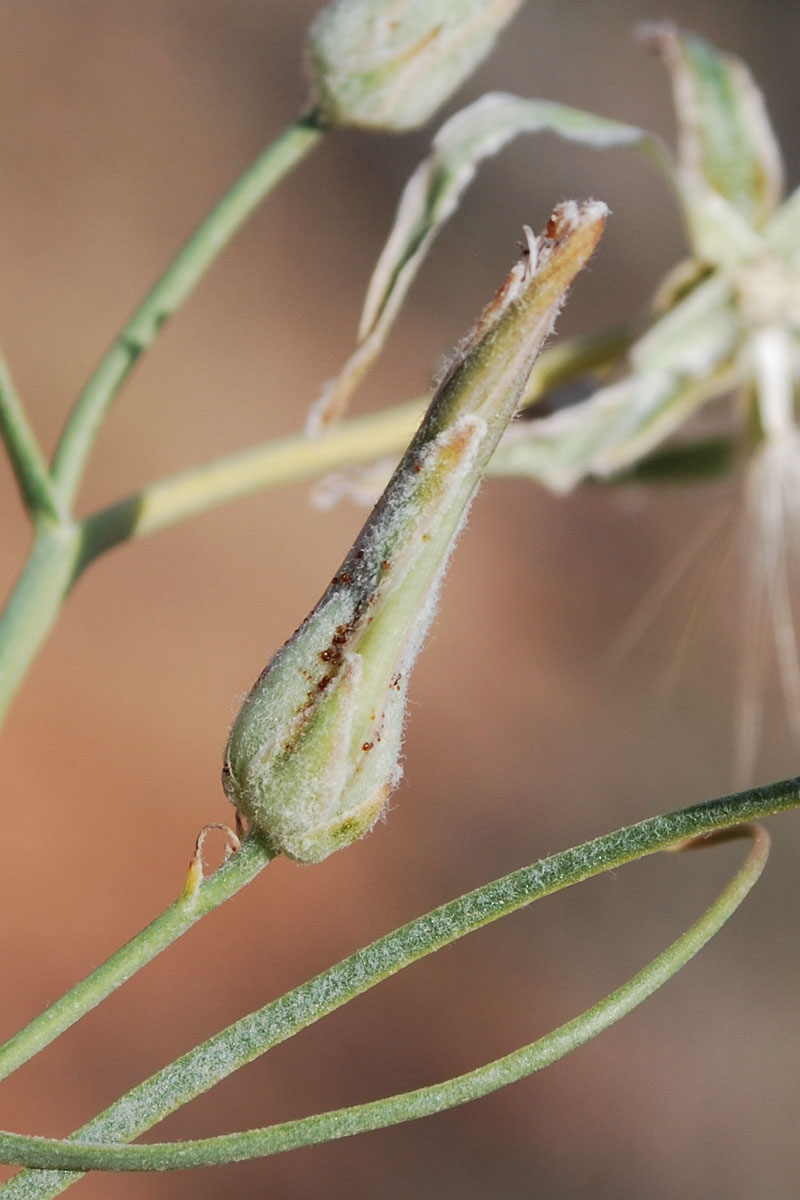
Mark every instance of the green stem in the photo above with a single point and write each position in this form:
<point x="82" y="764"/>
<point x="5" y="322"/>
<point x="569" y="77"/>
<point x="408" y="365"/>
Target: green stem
<point x="250" y="1037"/>
<point x="35" y="601"/>
<point x="287" y="460"/>
<point x="174" y="286"/>
<point x="60" y="556"/>
<point x="298" y="457"/>
<point x="230" y="878"/>
<point x="27" y="461"/>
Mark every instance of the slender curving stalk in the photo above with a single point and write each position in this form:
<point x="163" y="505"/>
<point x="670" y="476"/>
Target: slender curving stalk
<point x="177" y="282"/>
<point x="423" y="1102"/>
<point x="60" y="553"/>
<point x="253" y="1035"/>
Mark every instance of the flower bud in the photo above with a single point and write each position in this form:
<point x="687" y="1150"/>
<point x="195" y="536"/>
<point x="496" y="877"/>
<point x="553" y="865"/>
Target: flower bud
<point x="313" y="754"/>
<point x="389" y="64"/>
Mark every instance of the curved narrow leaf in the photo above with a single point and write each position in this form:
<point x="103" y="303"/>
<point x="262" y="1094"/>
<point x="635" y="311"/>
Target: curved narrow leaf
<point x="432" y="194"/>
<point x="693" y="336"/>
<point x="98" y="1144"/>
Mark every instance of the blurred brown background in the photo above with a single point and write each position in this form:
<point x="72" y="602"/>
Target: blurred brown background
<point x="121" y="123"/>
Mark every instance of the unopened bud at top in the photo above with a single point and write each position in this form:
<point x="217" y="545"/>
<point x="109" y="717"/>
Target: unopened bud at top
<point x="389" y="64"/>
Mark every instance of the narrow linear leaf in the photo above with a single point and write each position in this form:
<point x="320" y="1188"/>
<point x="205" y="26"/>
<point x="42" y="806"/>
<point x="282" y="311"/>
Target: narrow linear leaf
<point x="60" y="1156"/>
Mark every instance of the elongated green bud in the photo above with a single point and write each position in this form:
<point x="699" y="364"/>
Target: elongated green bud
<point x="313" y="754"/>
<point x="389" y="64"/>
